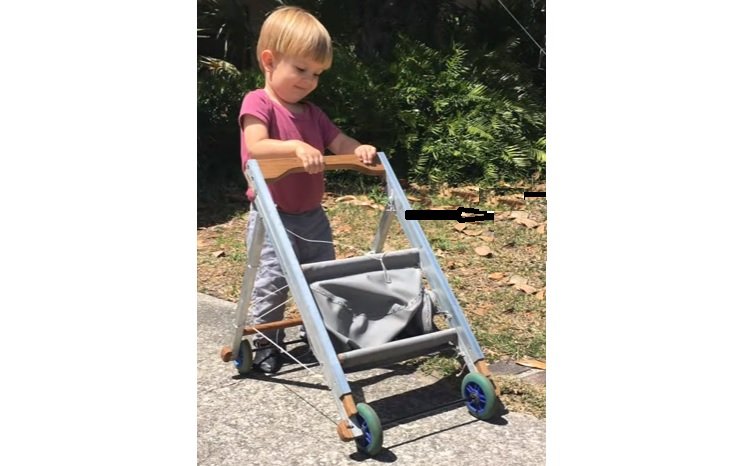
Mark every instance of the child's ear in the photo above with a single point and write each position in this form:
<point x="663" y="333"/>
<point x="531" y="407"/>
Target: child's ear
<point x="266" y="57"/>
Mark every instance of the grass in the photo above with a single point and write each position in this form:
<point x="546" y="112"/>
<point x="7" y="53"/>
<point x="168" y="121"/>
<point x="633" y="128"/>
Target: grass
<point x="506" y="321"/>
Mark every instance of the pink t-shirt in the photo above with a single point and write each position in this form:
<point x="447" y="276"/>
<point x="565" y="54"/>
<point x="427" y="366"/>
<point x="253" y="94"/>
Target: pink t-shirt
<point x="299" y="192"/>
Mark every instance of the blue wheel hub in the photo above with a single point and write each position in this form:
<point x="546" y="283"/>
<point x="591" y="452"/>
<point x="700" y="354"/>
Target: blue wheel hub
<point x="475" y="398"/>
<point x="367" y="438"/>
<point x="238" y="361"/>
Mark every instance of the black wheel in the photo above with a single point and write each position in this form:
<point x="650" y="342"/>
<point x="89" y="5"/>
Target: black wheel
<point x="372" y="441"/>
<point x="479" y="394"/>
<point x="244" y="361"/>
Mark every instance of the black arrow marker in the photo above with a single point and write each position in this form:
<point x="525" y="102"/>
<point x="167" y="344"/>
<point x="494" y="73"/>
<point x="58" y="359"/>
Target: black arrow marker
<point x="475" y="215"/>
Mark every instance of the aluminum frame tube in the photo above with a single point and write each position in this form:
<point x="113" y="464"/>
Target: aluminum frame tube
<point x="248" y="283"/>
<point x="398" y="350"/>
<point x="447" y="301"/>
<point x="314" y="326"/>
<point x="378" y="242"/>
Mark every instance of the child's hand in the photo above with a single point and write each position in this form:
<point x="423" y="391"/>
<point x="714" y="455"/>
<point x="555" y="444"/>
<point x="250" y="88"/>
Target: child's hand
<point x="366" y="153"/>
<point x="312" y="159"/>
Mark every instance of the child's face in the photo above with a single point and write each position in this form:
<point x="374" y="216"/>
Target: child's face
<point x="292" y="79"/>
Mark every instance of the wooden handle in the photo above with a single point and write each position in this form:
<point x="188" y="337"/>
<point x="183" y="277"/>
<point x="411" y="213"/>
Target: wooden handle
<point x="253" y="329"/>
<point x="278" y="167"/>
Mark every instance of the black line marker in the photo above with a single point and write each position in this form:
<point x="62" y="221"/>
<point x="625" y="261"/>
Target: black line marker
<point x="476" y="215"/>
<point x="528" y="194"/>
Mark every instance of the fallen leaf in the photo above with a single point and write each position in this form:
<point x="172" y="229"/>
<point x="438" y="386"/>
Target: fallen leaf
<point x="445" y="207"/>
<point x="345" y="199"/>
<point x="487" y="238"/>
<point x="536" y="364"/>
<point x="519" y="214"/>
<point x="473" y="232"/>
<point x="515" y="203"/>
<point x="541" y="228"/>
<point x="541" y="294"/>
<point x="527" y="222"/>
<point x="218" y="254"/>
<point x="517" y="280"/>
<point x="420" y="189"/>
<point x="412" y="198"/>
<point x="460" y="226"/>
<point x="465" y="189"/>
<point x="497" y="276"/>
<point x="483" y="251"/>
<point x="502" y="215"/>
<point x="480" y="310"/>
<point x="343" y="229"/>
<point x="202" y="243"/>
<point x="470" y="193"/>
<point x="528" y="289"/>
<point x="439" y="253"/>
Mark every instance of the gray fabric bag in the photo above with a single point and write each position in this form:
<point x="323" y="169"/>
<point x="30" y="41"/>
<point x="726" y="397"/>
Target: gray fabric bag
<point x="371" y="300"/>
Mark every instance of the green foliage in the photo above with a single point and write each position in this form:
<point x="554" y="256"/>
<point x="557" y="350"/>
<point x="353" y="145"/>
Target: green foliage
<point x="355" y="96"/>
<point x="437" y="116"/>
<point x="219" y="97"/>
<point x="456" y="98"/>
<point x="224" y="29"/>
<point x="453" y="127"/>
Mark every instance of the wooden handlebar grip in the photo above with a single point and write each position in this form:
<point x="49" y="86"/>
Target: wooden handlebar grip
<point x="276" y="168"/>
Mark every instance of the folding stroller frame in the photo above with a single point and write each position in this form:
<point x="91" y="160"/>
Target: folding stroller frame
<point x="356" y="421"/>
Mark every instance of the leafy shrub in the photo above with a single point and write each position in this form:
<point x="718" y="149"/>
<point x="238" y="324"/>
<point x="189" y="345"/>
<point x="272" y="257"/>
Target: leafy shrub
<point x="220" y="94"/>
<point x="438" y="115"/>
<point x="453" y="127"/>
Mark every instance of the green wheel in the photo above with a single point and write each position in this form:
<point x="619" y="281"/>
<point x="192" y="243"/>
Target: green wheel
<point x="244" y="361"/>
<point x="372" y="441"/>
<point x="479" y="394"/>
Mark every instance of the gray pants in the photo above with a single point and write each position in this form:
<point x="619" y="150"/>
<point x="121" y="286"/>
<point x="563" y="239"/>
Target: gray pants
<point x="312" y="225"/>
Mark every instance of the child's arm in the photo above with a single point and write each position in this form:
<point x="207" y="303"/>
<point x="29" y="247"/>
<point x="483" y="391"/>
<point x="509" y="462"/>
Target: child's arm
<point x="259" y="145"/>
<point x="343" y="144"/>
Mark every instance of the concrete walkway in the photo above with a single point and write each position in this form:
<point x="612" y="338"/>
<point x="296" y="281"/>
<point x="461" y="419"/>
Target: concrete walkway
<point x="289" y="419"/>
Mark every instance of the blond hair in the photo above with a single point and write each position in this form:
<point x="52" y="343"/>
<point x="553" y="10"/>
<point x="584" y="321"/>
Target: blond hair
<point x="293" y="32"/>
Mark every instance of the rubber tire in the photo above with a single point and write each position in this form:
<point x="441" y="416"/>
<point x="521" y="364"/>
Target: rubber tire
<point x="480" y="397"/>
<point x="244" y="361"/>
<point x="369" y="422"/>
